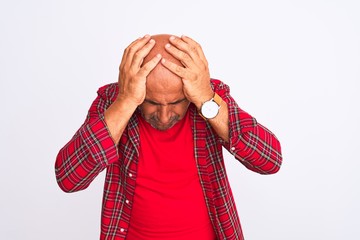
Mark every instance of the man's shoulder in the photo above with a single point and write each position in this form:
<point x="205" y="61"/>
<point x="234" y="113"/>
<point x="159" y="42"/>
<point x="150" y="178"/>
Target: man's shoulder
<point x="109" y="90"/>
<point x="109" y="87"/>
<point x="218" y="84"/>
<point x="215" y="81"/>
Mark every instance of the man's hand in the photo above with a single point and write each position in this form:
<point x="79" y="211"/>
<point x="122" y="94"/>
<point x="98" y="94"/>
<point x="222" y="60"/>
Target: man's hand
<point x="195" y="73"/>
<point x="132" y="85"/>
<point x="132" y="76"/>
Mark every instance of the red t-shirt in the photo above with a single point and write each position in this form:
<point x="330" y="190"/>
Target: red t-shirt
<point x="168" y="201"/>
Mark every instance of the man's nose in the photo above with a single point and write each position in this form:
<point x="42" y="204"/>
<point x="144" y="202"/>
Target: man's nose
<point x="164" y="114"/>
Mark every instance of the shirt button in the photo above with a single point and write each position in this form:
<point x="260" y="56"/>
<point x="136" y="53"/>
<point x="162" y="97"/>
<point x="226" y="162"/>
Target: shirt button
<point x="127" y="201"/>
<point x="233" y="149"/>
<point x="122" y="230"/>
<point x="130" y="175"/>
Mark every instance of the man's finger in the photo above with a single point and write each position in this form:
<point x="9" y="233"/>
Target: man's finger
<point x="178" y="70"/>
<point x="198" y="47"/>
<point x="149" y="66"/>
<point x="190" y="47"/>
<point x="183" y="57"/>
<point x="142" y="53"/>
<point x="132" y="49"/>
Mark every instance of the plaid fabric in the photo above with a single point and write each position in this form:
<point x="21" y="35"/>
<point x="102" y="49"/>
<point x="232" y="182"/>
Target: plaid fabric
<point x="92" y="150"/>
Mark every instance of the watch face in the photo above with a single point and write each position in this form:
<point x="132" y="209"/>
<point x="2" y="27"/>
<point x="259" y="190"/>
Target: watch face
<point x="210" y="109"/>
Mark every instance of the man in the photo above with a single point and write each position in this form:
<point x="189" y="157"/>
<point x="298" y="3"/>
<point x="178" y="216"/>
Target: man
<point x="159" y="134"/>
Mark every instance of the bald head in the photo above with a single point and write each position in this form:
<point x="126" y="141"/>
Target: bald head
<point x="160" y="41"/>
<point x="160" y="74"/>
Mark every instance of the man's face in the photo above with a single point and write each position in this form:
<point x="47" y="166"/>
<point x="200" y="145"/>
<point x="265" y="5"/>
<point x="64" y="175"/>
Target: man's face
<point x="165" y="103"/>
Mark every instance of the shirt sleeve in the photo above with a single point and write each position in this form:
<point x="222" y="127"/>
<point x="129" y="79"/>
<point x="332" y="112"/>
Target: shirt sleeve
<point x="90" y="150"/>
<point x="255" y="146"/>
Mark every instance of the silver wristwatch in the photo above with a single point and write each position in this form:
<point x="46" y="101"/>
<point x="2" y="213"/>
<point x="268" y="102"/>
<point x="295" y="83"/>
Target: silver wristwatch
<point x="210" y="109"/>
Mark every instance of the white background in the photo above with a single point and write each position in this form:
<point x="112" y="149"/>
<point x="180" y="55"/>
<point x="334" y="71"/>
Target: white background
<point x="294" y="65"/>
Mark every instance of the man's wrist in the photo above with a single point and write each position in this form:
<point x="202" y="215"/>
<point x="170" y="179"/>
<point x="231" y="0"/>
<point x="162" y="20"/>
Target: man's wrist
<point x="126" y="102"/>
<point x="204" y="98"/>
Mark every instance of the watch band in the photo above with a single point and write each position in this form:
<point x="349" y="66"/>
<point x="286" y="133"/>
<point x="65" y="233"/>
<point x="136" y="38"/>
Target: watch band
<point x="217" y="99"/>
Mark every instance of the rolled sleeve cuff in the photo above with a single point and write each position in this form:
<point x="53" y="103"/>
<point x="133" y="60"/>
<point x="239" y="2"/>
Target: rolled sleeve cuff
<point x="99" y="142"/>
<point x="240" y="122"/>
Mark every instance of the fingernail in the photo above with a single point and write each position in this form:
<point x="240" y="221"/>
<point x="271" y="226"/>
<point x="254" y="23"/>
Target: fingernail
<point x="167" y="45"/>
<point x="172" y="38"/>
<point x="158" y="55"/>
<point x="152" y="41"/>
<point x="163" y="60"/>
<point x="146" y="36"/>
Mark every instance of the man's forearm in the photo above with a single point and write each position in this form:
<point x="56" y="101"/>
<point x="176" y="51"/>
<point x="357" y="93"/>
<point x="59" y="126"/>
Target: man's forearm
<point x="117" y="117"/>
<point x="221" y="122"/>
<point x="79" y="162"/>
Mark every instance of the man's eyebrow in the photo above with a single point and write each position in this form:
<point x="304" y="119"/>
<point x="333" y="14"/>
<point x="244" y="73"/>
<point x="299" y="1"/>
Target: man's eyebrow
<point x="172" y="103"/>
<point x="178" y="101"/>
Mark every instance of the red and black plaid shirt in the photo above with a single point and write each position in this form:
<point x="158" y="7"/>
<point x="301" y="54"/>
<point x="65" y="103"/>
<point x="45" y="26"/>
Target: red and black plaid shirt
<point x="92" y="150"/>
